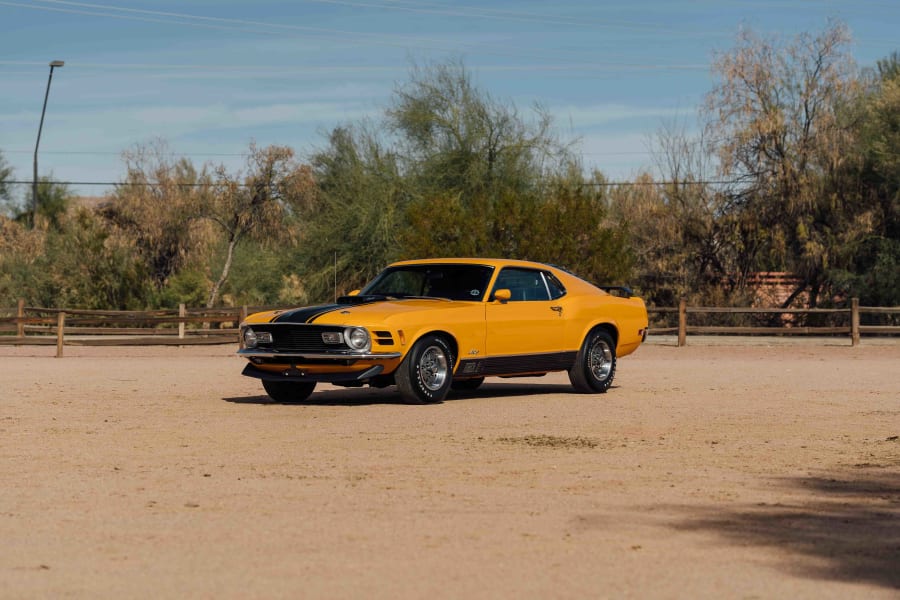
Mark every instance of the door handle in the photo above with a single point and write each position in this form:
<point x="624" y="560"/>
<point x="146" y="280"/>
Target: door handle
<point x="558" y="309"/>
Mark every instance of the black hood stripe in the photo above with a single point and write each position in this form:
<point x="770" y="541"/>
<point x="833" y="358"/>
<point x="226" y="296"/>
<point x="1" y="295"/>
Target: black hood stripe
<point x="307" y="314"/>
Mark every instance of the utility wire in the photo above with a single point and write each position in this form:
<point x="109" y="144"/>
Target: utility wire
<point x="110" y="153"/>
<point x="425" y="8"/>
<point x="199" y="185"/>
<point x="245" y="154"/>
<point x="248" y="26"/>
<point x="529" y="17"/>
<point x="223" y="24"/>
<point x="120" y="183"/>
<point x="579" y="68"/>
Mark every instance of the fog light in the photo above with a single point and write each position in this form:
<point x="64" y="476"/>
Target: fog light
<point x="332" y="337"/>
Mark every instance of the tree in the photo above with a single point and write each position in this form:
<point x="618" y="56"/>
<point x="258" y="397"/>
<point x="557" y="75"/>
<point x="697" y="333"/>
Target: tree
<point x="868" y="263"/>
<point x="6" y="173"/>
<point x="487" y="180"/>
<point x="454" y="136"/>
<point x="54" y="200"/>
<point x="682" y="235"/>
<point x="353" y="223"/>
<point x="773" y="117"/>
<point x="566" y="225"/>
<point x="158" y="206"/>
<point x="888" y="69"/>
<point x="53" y="203"/>
<point x="78" y="262"/>
<point x="256" y="202"/>
<point x="571" y="227"/>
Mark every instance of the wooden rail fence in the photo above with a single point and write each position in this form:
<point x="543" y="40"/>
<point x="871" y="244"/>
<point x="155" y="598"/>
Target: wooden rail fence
<point x="785" y="326"/>
<point x="76" y="327"/>
<point x="190" y="326"/>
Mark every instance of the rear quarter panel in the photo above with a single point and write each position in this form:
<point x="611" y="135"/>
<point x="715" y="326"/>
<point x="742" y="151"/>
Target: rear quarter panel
<point x="628" y="316"/>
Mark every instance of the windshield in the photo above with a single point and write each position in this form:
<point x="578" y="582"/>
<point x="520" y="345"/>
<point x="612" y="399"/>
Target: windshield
<point x="454" y="282"/>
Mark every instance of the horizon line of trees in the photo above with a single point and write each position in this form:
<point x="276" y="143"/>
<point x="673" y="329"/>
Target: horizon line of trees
<point x="796" y="168"/>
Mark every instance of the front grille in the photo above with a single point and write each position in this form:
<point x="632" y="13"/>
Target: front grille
<point x="300" y="338"/>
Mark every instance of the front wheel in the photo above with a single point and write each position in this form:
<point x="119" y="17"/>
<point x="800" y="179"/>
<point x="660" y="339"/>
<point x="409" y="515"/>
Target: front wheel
<point x="425" y="374"/>
<point x="288" y="392"/>
<point x="595" y="364"/>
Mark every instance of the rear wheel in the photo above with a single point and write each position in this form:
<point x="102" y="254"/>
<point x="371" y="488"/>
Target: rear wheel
<point x="287" y="392"/>
<point x="595" y="364"/>
<point x="425" y="374"/>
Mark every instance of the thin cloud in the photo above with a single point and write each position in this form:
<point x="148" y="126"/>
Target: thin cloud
<point x="602" y="114"/>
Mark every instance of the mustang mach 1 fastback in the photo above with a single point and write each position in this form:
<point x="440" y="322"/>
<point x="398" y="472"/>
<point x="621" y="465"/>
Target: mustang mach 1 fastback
<point x="429" y="326"/>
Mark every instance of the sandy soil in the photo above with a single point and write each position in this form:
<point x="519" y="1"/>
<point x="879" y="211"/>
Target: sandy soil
<point x="707" y="471"/>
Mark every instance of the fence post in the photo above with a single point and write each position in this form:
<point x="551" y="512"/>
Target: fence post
<point x="243" y="318"/>
<point x="60" y="333"/>
<point x="682" y="322"/>
<point x="20" y="314"/>
<point x="181" y="313"/>
<point x="854" y="321"/>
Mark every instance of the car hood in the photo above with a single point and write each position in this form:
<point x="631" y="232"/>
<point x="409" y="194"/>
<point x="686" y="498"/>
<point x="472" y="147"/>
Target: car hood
<point x="370" y="312"/>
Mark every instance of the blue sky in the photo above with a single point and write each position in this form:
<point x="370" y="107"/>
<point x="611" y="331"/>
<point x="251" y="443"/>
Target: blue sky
<point x="211" y="76"/>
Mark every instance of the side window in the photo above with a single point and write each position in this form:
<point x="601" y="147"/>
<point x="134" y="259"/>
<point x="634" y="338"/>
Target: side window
<point x="557" y="290"/>
<point x="524" y="284"/>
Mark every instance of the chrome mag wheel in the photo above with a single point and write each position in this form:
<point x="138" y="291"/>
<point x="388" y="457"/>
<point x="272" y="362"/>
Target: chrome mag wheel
<point x="433" y="369"/>
<point x="600" y="359"/>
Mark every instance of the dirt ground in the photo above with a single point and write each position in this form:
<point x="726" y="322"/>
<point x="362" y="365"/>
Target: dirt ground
<point x="711" y="471"/>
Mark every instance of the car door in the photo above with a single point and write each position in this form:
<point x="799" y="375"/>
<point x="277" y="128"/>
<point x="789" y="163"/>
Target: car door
<point x="530" y="322"/>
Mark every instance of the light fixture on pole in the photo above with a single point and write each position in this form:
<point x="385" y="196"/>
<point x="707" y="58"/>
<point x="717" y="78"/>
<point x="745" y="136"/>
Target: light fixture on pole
<point x="34" y="182"/>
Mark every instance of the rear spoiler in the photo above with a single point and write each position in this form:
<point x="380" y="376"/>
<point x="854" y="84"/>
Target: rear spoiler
<point x="617" y="290"/>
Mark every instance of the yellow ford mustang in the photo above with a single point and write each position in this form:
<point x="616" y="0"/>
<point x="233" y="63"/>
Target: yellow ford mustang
<point x="427" y="326"/>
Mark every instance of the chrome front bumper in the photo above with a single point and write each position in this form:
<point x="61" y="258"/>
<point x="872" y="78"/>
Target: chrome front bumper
<point x="298" y="356"/>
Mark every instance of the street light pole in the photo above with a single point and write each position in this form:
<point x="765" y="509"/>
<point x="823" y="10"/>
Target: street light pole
<point x="34" y="182"/>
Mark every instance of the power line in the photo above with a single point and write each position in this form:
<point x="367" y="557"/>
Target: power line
<point x="214" y="23"/>
<point x="581" y="68"/>
<point x="120" y="183"/>
<point x="110" y="153"/>
<point x="244" y="26"/>
<point x="245" y="154"/>
<point x="199" y="185"/>
<point x="267" y="28"/>
<point x="511" y="15"/>
<point x="425" y="8"/>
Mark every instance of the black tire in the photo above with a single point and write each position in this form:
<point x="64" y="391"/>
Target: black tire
<point x="288" y="392"/>
<point x="425" y="374"/>
<point x="595" y="364"/>
<point x="467" y="385"/>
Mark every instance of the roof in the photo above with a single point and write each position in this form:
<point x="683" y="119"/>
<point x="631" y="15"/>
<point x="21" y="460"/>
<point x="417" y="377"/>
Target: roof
<point x="565" y="274"/>
<point x="490" y="262"/>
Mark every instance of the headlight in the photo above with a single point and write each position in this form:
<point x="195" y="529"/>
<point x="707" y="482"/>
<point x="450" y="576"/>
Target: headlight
<point x="357" y="338"/>
<point x="250" y="339"/>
